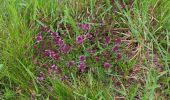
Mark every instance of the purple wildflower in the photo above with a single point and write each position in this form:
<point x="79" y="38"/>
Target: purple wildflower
<point x="119" y="56"/>
<point x="54" y="68"/>
<point x="59" y="41"/>
<point x="88" y="36"/>
<point x="65" y="48"/>
<point x="80" y="39"/>
<point x="107" y="65"/>
<point x="56" y="56"/>
<point x="118" y="41"/>
<point x="56" y="39"/>
<point x="115" y="48"/>
<point x="49" y="53"/>
<point x="82" y="66"/>
<point x="107" y="40"/>
<point x="54" y="34"/>
<point x="85" y="27"/>
<point x="41" y="76"/>
<point x="71" y="63"/>
<point x="39" y="37"/>
<point x="52" y="54"/>
<point x="97" y="58"/>
<point x="91" y="51"/>
<point x="82" y="58"/>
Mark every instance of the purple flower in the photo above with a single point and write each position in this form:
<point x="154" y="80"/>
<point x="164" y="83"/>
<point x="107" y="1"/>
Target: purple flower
<point x="53" y="68"/>
<point x="41" y="76"/>
<point x="59" y="41"/>
<point x="56" y="56"/>
<point x="54" y="34"/>
<point x="88" y="36"/>
<point x="82" y="66"/>
<point x="65" y="48"/>
<point x="107" y="40"/>
<point x="71" y="63"/>
<point x="85" y="27"/>
<point x="80" y="39"/>
<point x="52" y="54"/>
<point x="115" y="48"/>
<point x="91" y="51"/>
<point x="118" y="41"/>
<point x="119" y="56"/>
<point x="107" y="65"/>
<point x="97" y="58"/>
<point x="49" y="53"/>
<point x="39" y="37"/>
<point x="82" y="58"/>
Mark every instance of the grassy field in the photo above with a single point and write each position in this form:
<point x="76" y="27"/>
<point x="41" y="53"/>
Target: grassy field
<point x="84" y="50"/>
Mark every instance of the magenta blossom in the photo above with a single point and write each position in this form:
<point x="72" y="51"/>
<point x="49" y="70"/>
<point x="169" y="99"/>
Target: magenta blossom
<point x="80" y="39"/>
<point x="49" y="53"/>
<point x="84" y="27"/>
<point x="71" y="63"/>
<point x="54" y="67"/>
<point x="107" y="65"/>
<point x="119" y="56"/>
<point x="65" y="48"/>
<point x="56" y="56"/>
<point x="88" y="36"/>
<point x="54" y="34"/>
<point x="60" y="42"/>
<point x="82" y="58"/>
<point x="115" y="48"/>
<point x="41" y="76"/>
<point x="91" y="51"/>
<point x="52" y="54"/>
<point x="107" y="40"/>
<point x="82" y="66"/>
<point x="39" y="37"/>
<point x="118" y="41"/>
<point x="97" y="58"/>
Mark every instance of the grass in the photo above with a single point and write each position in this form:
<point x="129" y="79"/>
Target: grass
<point x="141" y="73"/>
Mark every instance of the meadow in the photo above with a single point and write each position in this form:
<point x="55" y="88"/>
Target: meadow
<point x="84" y="50"/>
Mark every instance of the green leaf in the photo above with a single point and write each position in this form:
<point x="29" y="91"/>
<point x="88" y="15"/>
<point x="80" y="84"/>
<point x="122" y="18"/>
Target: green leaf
<point x="1" y="65"/>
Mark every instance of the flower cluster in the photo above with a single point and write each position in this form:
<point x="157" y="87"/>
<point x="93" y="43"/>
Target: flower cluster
<point x="82" y="65"/>
<point x="56" y="53"/>
<point x="116" y="48"/>
<point x="84" y="27"/>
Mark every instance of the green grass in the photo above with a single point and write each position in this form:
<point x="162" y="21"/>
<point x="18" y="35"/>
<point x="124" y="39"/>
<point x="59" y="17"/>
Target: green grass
<point x="147" y="22"/>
